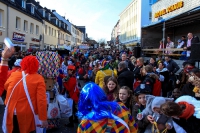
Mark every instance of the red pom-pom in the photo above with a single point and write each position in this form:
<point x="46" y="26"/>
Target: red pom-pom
<point x="30" y="64"/>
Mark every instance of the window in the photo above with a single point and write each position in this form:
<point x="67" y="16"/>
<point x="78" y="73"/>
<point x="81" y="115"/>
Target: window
<point x="31" y="28"/>
<point x="24" y="4"/>
<point x="1" y="17"/>
<point x="18" y="22"/>
<point x="56" y="21"/>
<point x="49" y="30"/>
<point x="12" y="0"/>
<point x="37" y="30"/>
<point x="43" y="13"/>
<point x="25" y="25"/>
<point x="150" y="15"/>
<point x="59" y="23"/>
<point x="64" y="25"/>
<point x="32" y="9"/>
<point x="52" y="31"/>
<point x="45" y="29"/>
<point x="49" y="17"/>
<point x="63" y="37"/>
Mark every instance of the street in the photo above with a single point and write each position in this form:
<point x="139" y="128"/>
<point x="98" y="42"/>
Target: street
<point x="62" y="129"/>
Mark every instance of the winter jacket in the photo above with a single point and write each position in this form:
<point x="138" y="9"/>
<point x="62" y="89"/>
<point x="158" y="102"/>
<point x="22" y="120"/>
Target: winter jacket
<point x="188" y="90"/>
<point x="172" y="67"/>
<point x="126" y="78"/>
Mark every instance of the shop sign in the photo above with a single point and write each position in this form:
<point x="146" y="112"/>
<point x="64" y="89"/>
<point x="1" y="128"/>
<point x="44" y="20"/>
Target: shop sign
<point x="0" y="33"/>
<point x="35" y="40"/>
<point x="18" y="37"/>
<point x="169" y="9"/>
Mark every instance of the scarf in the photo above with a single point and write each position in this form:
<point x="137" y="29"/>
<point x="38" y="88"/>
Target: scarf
<point x="188" y="111"/>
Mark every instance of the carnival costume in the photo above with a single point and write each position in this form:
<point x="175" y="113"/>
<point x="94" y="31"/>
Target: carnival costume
<point x="101" y="116"/>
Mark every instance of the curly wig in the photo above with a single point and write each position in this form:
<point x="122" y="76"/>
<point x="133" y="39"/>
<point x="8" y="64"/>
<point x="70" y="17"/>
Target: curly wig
<point x="30" y="64"/>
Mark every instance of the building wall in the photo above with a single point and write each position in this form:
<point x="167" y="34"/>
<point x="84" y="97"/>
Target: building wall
<point x="3" y="23"/>
<point x="29" y="35"/>
<point x="131" y="20"/>
<point x="163" y="4"/>
<point x="73" y="36"/>
<point x="49" y="38"/>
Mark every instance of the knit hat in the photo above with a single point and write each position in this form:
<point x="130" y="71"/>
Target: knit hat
<point x="157" y="102"/>
<point x="104" y="65"/>
<point x="18" y="62"/>
<point x="71" y="67"/>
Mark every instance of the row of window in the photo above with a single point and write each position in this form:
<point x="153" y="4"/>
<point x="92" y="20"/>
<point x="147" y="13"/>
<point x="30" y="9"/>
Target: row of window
<point x="32" y="29"/>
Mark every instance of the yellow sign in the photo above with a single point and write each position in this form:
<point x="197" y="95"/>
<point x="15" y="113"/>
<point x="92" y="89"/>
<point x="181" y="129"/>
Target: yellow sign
<point x="169" y="9"/>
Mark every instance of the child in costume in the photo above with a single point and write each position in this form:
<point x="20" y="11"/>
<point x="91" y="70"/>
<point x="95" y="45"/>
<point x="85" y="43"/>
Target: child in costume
<point x="71" y="85"/>
<point x="140" y="94"/>
<point x="154" y="116"/>
<point x="99" y="115"/>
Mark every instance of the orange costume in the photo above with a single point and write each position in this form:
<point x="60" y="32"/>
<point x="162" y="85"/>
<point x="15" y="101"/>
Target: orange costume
<point x="3" y="74"/>
<point x="19" y="101"/>
<point x="18" y="104"/>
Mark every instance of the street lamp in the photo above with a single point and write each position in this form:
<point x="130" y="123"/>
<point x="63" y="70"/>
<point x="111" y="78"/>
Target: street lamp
<point x="163" y="20"/>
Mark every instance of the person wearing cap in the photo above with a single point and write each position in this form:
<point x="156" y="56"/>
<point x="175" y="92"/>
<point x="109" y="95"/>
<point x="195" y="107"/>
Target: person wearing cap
<point x="17" y="67"/>
<point x="20" y="117"/>
<point x="140" y="105"/>
<point x="99" y="115"/>
<point x="71" y="85"/>
<point x="153" y="115"/>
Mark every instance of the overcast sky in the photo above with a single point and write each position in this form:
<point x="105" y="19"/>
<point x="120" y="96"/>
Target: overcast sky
<point x="99" y="16"/>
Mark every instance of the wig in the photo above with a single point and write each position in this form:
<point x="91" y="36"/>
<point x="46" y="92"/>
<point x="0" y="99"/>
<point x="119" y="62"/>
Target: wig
<point x="30" y="64"/>
<point x="93" y="103"/>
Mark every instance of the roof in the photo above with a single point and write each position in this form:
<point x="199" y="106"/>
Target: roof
<point x="181" y="19"/>
<point x="16" y="5"/>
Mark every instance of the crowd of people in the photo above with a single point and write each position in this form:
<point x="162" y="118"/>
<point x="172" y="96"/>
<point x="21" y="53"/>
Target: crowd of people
<point x="112" y="92"/>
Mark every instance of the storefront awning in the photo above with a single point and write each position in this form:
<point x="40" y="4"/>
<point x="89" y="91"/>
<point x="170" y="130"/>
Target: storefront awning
<point x="190" y="16"/>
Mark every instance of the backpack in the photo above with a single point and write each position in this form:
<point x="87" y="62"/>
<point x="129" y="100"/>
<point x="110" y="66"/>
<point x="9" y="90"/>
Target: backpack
<point x="157" y="88"/>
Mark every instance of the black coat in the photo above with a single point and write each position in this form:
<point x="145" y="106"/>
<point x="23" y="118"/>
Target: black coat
<point x="136" y="72"/>
<point x="172" y="67"/>
<point x="126" y="78"/>
<point x="191" y="125"/>
<point x="188" y="90"/>
<point x="195" y="39"/>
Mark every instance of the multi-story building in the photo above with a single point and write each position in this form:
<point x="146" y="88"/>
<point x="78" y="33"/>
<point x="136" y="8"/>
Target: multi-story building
<point x="115" y="34"/>
<point x="21" y="23"/>
<point x="132" y="18"/>
<point x="55" y="31"/>
<point x="83" y="30"/>
<point x="68" y="24"/>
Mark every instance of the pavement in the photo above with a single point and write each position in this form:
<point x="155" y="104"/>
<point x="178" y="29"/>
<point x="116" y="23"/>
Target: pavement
<point x="61" y="129"/>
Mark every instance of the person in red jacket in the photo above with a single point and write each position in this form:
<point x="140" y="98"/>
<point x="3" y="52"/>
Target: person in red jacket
<point x="71" y="86"/>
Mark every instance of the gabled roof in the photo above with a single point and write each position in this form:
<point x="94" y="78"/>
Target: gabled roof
<point x="16" y="5"/>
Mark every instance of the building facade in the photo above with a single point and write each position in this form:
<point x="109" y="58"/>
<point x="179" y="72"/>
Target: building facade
<point x="20" y="23"/>
<point x="115" y="34"/>
<point x="132" y="18"/>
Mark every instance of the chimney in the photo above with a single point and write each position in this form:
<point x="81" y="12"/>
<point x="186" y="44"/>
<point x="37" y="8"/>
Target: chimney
<point x="64" y="17"/>
<point x="53" y="10"/>
<point x="38" y="2"/>
<point x="68" y="20"/>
